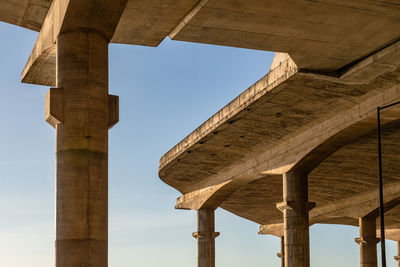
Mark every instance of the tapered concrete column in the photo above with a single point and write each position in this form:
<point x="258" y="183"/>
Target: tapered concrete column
<point x="81" y="111"/>
<point x="367" y="242"/>
<point x="397" y="258"/>
<point x="281" y="254"/>
<point x="295" y="208"/>
<point x="205" y="236"/>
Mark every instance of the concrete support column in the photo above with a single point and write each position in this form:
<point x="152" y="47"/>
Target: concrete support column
<point x="281" y="254"/>
<point x="295" y="208"/>
<point x="397" y="258"/>
<point x="81" y="111"/>
<point x="367" y="242"/>
<point x="205" y="236"/>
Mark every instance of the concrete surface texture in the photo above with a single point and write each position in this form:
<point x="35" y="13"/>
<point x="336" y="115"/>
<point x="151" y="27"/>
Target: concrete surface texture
<point x="303" y="134"/>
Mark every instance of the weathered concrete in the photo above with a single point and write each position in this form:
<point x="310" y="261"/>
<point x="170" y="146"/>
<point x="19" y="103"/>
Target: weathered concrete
<point x="29" y="14"/>
<point x="319" y="35"/>
<point x="311" y="40"/>
<point x="64" y="16"/>
<point x="81" y="149"/>
<point x="295" y="208"/>
<point x="292" y="120"/>
<point x="141" y="23"/>
<point x="368" y="241"/>
<point x="205" y="236"/>
<point x="281" y="254"/>
<point x="82" y="111"/>
<point x="311" y="114"/>
<point x="397" y="257"/>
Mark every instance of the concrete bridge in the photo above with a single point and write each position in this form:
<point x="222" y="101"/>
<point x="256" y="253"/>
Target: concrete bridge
<point x="296" y="148"/>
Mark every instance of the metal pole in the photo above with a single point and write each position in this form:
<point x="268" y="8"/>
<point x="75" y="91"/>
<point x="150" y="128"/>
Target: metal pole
<point x="381" y="208"/>
<point x="381" y="205"/>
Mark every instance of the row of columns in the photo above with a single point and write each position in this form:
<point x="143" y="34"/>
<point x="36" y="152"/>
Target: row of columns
<point x="295" y="244"/>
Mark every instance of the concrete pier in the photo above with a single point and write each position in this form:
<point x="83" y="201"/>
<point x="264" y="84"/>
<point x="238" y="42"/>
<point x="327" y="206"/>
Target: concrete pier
<point x="397" y="258"/>
<point x="367" y="242"/>
<point x="81" y="111"/>
<point x="281" y="254"/>
<point x="205" y="236"/>
<point x="295" y="208"/>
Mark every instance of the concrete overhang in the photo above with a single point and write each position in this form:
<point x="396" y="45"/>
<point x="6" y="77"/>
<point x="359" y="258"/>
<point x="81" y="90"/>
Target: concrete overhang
<point x="293" y="118"/>
<point x="321" y="36"/>
<point x="141" y="23"/>
<point x="29" y="14"/>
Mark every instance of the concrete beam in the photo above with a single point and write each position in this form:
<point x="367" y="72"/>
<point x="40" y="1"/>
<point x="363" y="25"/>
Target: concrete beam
<point x="65" y="16"/>
<point x="312" y="41"/>
<point x="348" y="211"/>
<point x="41" y="65"/>
<point x="309" y="148"/>
<point x="210" y="197"/>
<point x="358" y="206"/>
<point x="275" y="229"/>
<point x="310" y="140"/>
<point x="196" y="200"/>
<point x="29" y="14"/>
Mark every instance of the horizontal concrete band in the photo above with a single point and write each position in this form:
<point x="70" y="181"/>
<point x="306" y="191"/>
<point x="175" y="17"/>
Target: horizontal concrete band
<point x="81" y="252"/>
<point x="78" y="154"/>
<point x="82" y="195"/>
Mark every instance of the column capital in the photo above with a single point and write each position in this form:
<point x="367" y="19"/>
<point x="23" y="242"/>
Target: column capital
<point x="113" y="110"/>
<point x="294" y="205"/>
<point x="54" y="112"/>
<point x="367" y="240"/>
<point x="205" y="234"/>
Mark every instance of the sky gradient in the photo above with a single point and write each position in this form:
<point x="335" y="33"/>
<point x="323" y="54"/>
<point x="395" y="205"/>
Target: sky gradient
<point x="165" y="93"/>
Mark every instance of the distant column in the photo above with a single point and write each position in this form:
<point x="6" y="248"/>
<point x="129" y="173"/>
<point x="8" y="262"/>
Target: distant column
<point x="205" y="236"/>
<point x="367" y="242"/>
<point x="295" y="208"/>
<point x="281" y="254"/>
<point x="397" y="258"/>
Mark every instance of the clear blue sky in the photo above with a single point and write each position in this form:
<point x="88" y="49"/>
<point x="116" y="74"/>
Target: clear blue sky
<point x="165" y="93"/>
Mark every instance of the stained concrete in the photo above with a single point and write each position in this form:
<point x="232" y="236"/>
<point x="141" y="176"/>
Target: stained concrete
<point x="313" y="113"/>
<point x="29" y="14"/>
<point x="368" y="242"/>
<point x="82" y="152"/>
<point x="205" y="236"/>
<point x="296" y="120"/>
<point x="321" y="36"/>
<point x="295" y="208"/>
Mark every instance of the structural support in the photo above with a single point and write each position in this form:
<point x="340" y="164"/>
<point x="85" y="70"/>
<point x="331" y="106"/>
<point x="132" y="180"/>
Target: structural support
<point x="205" y="236"/>
<point x="281" y="254"/>
<point x="368" y="241"/>
<point x="295" y="208"/>
<point x="81" y="111"/>
<point x="397" y="258"/>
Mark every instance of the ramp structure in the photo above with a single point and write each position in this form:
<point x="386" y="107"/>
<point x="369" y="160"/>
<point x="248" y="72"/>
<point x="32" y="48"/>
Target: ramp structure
<point x="302" y="137"/>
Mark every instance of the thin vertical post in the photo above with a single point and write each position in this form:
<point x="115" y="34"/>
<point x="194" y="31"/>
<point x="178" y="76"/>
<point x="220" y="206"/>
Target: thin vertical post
<point x="381" y="209"/>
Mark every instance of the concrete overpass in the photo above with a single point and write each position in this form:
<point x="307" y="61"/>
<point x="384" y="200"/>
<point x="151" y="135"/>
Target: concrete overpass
<point x="310" y="119"/>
